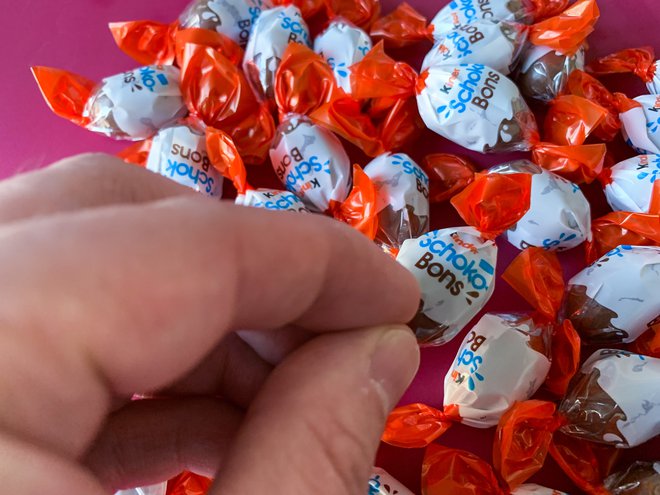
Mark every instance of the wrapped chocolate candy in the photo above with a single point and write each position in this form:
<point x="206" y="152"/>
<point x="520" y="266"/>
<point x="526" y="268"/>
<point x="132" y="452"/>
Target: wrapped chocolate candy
<point x="629" y="184"/>
<point x="382" y="483"/>
<point x="159" y="489"/>
<point x="133" y="105"/>
<point x="477" y="107"/>
<point x="274" y="29"/>
<point x="402" y="198"/>
<point x="233" y="18"/>
<point x="179" y="153"/>
<point x="616" y="298"/>
<point x="342" y="44"/>
<point x="559" y="216"/>
<point x="622" y="227"/>
<point x="455" y="269"/>
<point x="544" y="72"/>
<point x="497" y="43"/>
<point x="639" y="61"/>
<point x="640" y="478"/>
<point x="479" y="385"/>
<point x="311" y="162"/>
<point x="271" y="199"/>
<point x="613" y="399"/>
<point x="640" y="121"/>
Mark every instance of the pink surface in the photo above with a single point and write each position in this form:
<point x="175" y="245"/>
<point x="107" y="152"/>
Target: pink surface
<point x="72" y="34"/>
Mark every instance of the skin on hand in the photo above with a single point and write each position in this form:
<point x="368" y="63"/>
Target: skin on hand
<point x="269" y="345"/>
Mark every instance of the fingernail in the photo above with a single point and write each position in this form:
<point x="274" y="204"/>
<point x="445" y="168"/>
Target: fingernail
<point x="393" y="364"/>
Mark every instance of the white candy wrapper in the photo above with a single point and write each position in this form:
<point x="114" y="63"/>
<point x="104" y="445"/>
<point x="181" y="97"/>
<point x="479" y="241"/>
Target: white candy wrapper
<point x="274" y="29"/>
<point x="271" y="199"/>
<point x="179" y="153"/>
<point x="476" y="107"/>
<point x="654" y="84"/>
<point x="342" y="44"/>
<point x="532" y="489"/>
<point x="631" y="181"/>
<point x="616" y="298"/>
<point x="614" y="399"/>
<point x="496" y="43"/>
<point x="402" y="200"/>
<point x="461" y="12"/>
<point x="559" y="216"/>
<point x="382" y="483"/>
<point x="136" y="104"/>
<point x="159" y="489"/>
<point x="480" y="384"/>
<point x="640" y="127"/>
<point x="311" y="162"/>
<point x="455" y="269"/>
<point x="544" y="73"/>
<point x="233" y="18"/>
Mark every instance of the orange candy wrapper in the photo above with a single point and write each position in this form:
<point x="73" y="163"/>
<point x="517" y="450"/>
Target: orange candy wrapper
<point x="619" y="227"/>
<point x="362" y="13"/>
<point x="494" y="202"/>
<point x="570" y="120"/>
<point x="536" y="275"/>
<point x="579" y="164"/>
<point x="639" y="61"/>
<point x="448" y="174"/>
<point x="188" y="483"/>
<point x="217" y="93"/>
<point x="417" y="425"/>
<point x="402" y="27"/>
<point x="566" y="32"/>
<point x="136" y="153"/>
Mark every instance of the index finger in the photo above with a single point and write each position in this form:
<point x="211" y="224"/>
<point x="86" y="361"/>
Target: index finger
<point x="147" y="291"/>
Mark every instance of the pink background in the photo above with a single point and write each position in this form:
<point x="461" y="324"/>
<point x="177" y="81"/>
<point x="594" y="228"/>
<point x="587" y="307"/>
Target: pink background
<point x="72" y="34"/>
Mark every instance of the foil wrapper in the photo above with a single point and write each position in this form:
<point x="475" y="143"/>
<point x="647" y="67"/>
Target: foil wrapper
<point x="477" y="107"/>
<point x="455" y="269"/>
<point x="631" y="183"/>
<point x="614" y="399"/>
<point x="616" y="298"/>
<point x="461" y="12"/>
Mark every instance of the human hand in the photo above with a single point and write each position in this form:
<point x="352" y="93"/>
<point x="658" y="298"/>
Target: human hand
<point x="116" y="281"/>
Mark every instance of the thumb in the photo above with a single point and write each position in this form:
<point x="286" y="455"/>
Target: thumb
<point x="317" y="422"/>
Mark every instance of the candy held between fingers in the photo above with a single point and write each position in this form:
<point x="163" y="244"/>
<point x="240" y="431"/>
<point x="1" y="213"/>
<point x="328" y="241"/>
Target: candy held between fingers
<point x="476" y="107"/>
<point x="402" y="190"/>
<point x="616" y="298"/>
<point x="342" y="45"/>
<point x="629" y="184"/>
<point x="559" y="215"/>
<point x="133" y="105"/>
<point x="179" y="153"/>
<point x="456" y="271"/>
<point x="271" y="199"/>
<point x="613" y="399"/>
<point x="274" y="29"/>
<point x="479" y="384"/>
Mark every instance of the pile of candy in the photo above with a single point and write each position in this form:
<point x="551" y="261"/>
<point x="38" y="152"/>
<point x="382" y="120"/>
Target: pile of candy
<point x="244" y="82"/>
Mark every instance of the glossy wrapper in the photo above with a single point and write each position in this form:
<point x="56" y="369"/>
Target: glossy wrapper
<point x="382" y="483"/>
<point x="133" y="105"/>
<point x="233" y="18"/>
<point x="455" y="269"/>
<point x="402" y="203"/>
<point x="480" y="384"/>
<point x="462" y="12"/>
<point x="274" y="29"/>
<point x="544" y="73"/>
<point x="640" y="478"/>
<point x="559" y="216"/>
<point x="641" y="125"/>
<point x="639" y="61"/>
<point x="179" y="153"/>
<point x="449" y="174"/>
<point x="311" y="162"/>
<point x="622" y="227"/>
<point x="271" y="199"/>
<point x="532" y="489"/>
<point x="616" y="298"/>
<point x="158" y="489"/>
<point x="614" y="399"/>
<point x="342" y="45"/>
<point x="498" y="44"/>
<point x="477" y="107"/>
<point x="629" y="184"/>
<point x="188" y="483"/>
